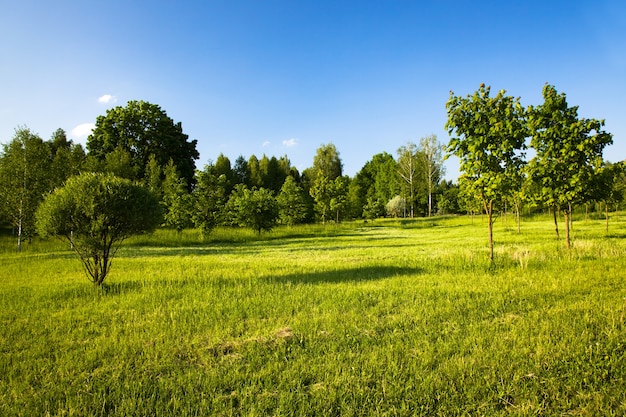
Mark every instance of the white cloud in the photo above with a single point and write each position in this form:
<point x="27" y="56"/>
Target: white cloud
<point x="82" y="131"/>
<point x="266" y="143"/>
<point x="107" y="98"/>
<point x="289" y="143"/>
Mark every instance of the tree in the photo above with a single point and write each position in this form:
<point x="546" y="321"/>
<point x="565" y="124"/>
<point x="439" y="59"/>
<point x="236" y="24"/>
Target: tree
<point x="95" y="213"/>
<point x="609" y="186"/>
<point x="322" y="193"/>
<point x="256" y="208"/>
<point x="489" y="140"/>
<point x="327" y="162"/>
<point x="568" y="153"/>
<point x="339" y="198"/>
<point x="25" y="165"/>
<point x="291" y="203"/>
<point x="431" y="152"/>
<point x="209" y="198"/>
<point x="176" y="199"/>
<point x="67" y="158"/>
<point x="144" y="129"/>
<point x="407" y="169"/>
<point x="396" y="206"/>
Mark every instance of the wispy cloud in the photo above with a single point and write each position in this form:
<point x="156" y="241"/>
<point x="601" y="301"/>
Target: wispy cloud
<point x="107" y="98"/>
<point x="266" y="143"/>
<point x="82" y="131"/>
<point x="290" y="143"/>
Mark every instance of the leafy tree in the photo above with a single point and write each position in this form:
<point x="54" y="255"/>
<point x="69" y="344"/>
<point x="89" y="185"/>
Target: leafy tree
<point x="489" y="139"/>
<point x="339" y="198"/>
<point x="255" y="177"/>
<point x="396" y="207"/>
<point x="153" y="178"/>
<point x="67" y="158"/>
<point x="95" y="213"/>
<point x="176" y="199"/>
<point x="209" y="199"/>
<point x="25" y="165"/>
<point x="256" y="208"/>
<point x="609" y="186"/>
<point x="431" y="153"/>
<point x="144" y="129"/>
<point x="377" y="180"/>
<point x="408" y="171"/>
<point x="322" y="193"/>
<point x="568" y="153"/>
<point x="240" y="170"/>
<point x="291" y="203"/>
<point x="119" y="162"/>
<point x="327" y="162"/>
<point x="448" y="201"/>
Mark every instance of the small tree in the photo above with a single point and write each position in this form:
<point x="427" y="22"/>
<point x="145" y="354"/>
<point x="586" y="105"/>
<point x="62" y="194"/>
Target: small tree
<point x="95" y="213"/>
<point x="568" y="154"/>
<point x="396" y="206"/>
<point x="291" y="203"/>
<point x="490" y="139"/>
<point x="256" y="208"/>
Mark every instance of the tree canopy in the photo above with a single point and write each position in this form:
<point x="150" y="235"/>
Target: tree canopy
<point x="95" y="213"/>
<point x="143" y="129"/>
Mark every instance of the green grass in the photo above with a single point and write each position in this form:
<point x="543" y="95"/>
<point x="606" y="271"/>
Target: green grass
<point x="382" y="318"/>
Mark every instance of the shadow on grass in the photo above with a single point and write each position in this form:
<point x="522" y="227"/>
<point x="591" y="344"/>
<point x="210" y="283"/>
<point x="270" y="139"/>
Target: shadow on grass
<point x="353" y="274"/>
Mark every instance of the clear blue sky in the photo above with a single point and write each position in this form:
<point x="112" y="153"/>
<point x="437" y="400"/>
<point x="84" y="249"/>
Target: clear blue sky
<point x="284" y="77"/>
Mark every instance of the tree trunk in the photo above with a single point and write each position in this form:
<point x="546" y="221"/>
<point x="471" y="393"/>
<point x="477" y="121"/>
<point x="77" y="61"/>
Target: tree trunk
<point x="556" y="224"/>
<point x="489" y="210"/>
<point x="606" y="215"/>
<point x="568" y="216"/>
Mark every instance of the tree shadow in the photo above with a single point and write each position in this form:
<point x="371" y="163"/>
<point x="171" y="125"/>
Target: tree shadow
<point x="352" y="274"/>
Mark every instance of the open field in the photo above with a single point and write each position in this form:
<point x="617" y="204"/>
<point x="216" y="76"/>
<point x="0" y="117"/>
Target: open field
<point x="394" y="318"/>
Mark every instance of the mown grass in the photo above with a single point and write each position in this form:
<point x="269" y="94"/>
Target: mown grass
<point x="385" y="318"/>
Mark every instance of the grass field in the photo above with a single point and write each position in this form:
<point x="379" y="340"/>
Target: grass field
<point x="395" y="318"/>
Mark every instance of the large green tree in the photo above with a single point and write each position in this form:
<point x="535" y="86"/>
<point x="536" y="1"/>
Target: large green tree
<point x="487" y="135"/>
<point x="254" y="208"/>
<point x="95" y="213"/>
<point x="291" y="203"/>
<point x="144" y="129"/>
<point x="25" y="177"/>
<point x="568" y="153"/>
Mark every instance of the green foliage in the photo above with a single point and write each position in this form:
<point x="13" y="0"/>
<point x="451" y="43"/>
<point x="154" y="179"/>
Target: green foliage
<point x="25" y="177"/>
<point x="144" y="129"/>
<point x="291" y="203"/>
<point x="256" y="208"/>
<point x="95" y="213"/>
<point x="327" y="162"/>
<point x="487" y="135"/>
<point x="396" y="207"/>
<point x="568" y="153"/>
<point x="176" y="199"/>
<point x="209" y="200"/>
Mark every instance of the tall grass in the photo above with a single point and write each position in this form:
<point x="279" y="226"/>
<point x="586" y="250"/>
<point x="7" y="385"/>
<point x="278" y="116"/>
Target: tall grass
<point x="381" y="318"/>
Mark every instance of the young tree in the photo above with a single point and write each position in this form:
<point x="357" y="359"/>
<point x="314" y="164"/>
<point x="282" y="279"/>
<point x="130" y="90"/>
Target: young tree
<point x="95" y="213"/>
<point x="489" y="140"/>
<point x="144" y="129"/>
<point x="431" y="152"/>
<point x="176" y="199"/>
<point x="568" y="153"/>
<point x="408" y="171"/>
<point x="396" y="206"/>
<point x="256" y="208"/>
<point x="291" y="203"/>
<point x="25" y="166"/>
<point x="209" y="198"/>
<point x="339" y="198"/>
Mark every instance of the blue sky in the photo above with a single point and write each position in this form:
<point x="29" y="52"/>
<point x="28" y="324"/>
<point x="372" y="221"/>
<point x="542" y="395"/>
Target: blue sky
<point x="284" y="77"/>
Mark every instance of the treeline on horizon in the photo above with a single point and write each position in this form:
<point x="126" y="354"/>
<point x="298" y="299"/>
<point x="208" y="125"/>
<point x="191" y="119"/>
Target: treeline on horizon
<point x="141" y="143"/>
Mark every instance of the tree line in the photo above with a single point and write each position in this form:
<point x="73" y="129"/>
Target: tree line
<point x="141" y="143"/>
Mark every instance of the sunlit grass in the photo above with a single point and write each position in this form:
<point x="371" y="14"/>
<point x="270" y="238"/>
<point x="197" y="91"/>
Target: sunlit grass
<point x="392" y="317"/>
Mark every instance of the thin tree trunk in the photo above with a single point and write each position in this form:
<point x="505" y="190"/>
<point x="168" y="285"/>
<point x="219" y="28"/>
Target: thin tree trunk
<point x="489" y="210"/>
<point x="568" y="216"/>
<point x="556" y="224"/>
<point x="606" y="215"/>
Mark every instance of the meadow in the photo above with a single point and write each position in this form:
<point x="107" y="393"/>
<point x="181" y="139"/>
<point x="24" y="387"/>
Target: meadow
<point x="386" y="318"/>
